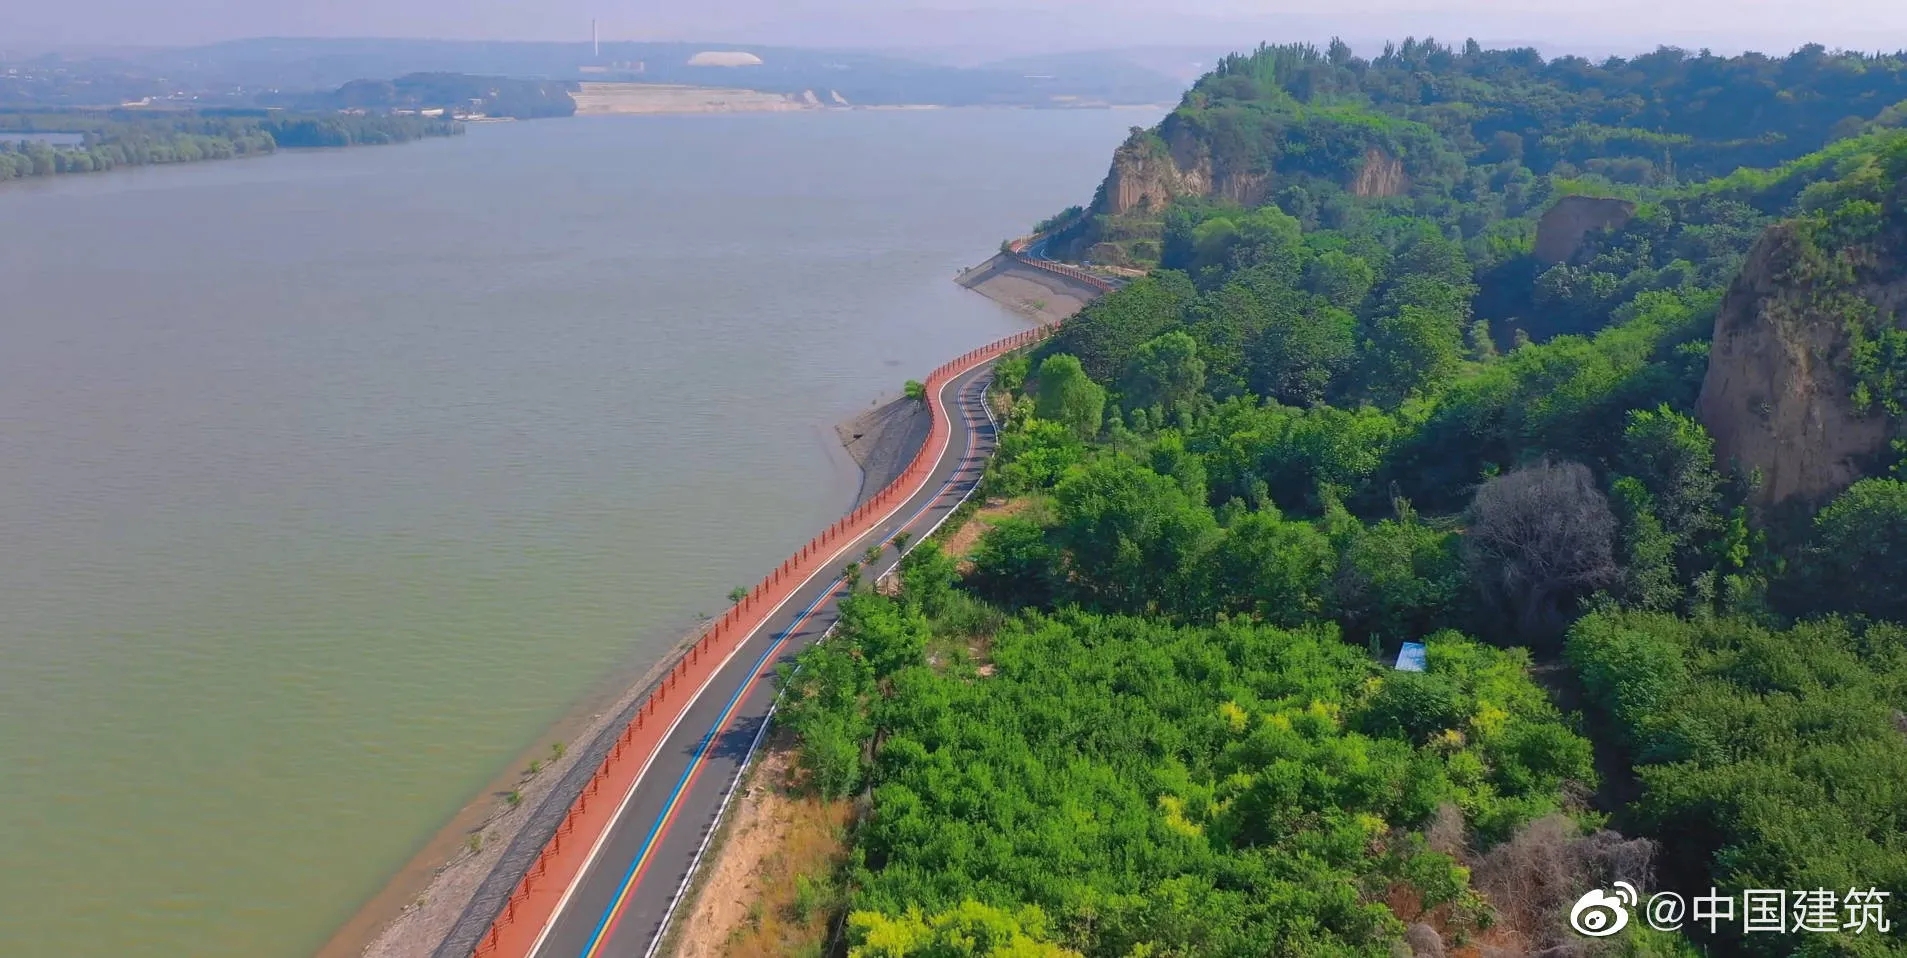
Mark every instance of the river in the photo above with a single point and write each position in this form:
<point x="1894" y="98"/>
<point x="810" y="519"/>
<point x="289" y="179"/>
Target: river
<point x="329" y="481"/>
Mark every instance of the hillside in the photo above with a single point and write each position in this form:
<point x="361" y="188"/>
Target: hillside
<point x="1588" y="377"/>
<point x="1472" y="138"/>
<point x="1807" y="376"/>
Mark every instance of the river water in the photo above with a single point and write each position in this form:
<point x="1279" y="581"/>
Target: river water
<point x="329" y="481"/>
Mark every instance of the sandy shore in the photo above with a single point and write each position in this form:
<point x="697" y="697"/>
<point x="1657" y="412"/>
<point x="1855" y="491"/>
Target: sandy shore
<point x="603" y="99"/>
<point x="1034" y="293"/>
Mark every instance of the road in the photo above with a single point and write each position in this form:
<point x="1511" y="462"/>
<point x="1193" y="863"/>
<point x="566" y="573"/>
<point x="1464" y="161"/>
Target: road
<point x="619" y="902"/>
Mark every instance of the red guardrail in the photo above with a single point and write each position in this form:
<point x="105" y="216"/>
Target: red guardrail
<point x="531" y="905"/>
<point x="1071" y="272"/>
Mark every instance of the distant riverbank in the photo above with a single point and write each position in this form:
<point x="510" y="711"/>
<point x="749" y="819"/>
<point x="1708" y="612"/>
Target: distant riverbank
<point x="629" y="98"/>
<point x="54" y="143"/>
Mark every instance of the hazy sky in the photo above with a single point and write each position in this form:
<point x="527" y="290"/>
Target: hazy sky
<point x="1022" y="26"/>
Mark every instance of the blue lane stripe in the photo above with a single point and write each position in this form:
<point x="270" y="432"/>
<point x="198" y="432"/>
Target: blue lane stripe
<point x="721" y="721"/>
<point x="700" y="749"/>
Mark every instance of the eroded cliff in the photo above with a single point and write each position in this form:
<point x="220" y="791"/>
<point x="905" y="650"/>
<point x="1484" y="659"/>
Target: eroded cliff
<point x="1788" y="394"/>
<point x="1559" y="234"/>
<point x="1152" y="168"/>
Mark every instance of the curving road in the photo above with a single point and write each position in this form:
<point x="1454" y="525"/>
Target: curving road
<point x="621" y="900"/>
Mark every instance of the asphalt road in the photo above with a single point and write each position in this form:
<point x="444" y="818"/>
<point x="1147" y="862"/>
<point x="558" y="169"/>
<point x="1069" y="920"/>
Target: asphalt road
<point x="621" y="898"/>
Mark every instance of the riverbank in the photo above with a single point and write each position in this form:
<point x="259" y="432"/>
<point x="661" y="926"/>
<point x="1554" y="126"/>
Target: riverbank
<point x="1040" y="295"/>
<point x="119" y="140"/>
<point x="612" y="99"/>
<point x="883" y="440"/>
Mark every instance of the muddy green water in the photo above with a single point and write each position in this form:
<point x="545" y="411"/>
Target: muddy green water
<point x="329" y="481"/>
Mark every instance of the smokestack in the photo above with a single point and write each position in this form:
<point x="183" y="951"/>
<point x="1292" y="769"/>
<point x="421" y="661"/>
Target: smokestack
<point x="595" y="43"/>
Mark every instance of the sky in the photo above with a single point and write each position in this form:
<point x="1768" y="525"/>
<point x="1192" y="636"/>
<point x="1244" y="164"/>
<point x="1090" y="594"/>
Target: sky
<point x="978" y="26"/>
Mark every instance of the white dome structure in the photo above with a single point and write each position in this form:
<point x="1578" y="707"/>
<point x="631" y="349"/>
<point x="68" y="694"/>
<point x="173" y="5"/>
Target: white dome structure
<point x="724" y="58"/>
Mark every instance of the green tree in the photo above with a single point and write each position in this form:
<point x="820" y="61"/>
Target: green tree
<point x="1414" y="351"/>
<point x="1106" y="334"/>
<point x="1134" y="538"/>
<point x="1069" y="397"/>
<point x="1166" y="372"/>
<point x="1340" y="278"/>
<point x="1277" y="569"/>
<point x="1033" y="455"/>
<point x="1857" y="559"/>
<point x="1645" y="548"/>
<point x="928" y="577"/>
<point x="1674" y="458"/>
<point x="1015" y="564"/>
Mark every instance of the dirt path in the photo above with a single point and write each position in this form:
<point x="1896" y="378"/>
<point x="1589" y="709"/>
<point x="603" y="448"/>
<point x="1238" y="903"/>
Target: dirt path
<point x="776" y="843"/>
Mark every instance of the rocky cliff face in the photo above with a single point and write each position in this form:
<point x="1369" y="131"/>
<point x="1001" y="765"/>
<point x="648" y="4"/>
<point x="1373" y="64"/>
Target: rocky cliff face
<point x="1777" y="396"/>
<point x="1146" y="175"/>
<point x="1559" y="234"/>
<point x="1380" y="175"/>
<point x="1150" y="170"/>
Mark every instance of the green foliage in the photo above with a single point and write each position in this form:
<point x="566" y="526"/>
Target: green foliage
<point x="928" y="576"/>
<point x="1397" y="579"/>
<point x="1108" y="333"/>
<point x="967" y="930"/>
<point x="1016" y="565"/>
<point x="1343" y="280"/>
<point x="1033" y="455"/>
<point x="1068" y="397"/>
<point x="1166" y="372"/>
<point x="522" y="99"/>
<point x="1412" y="352"/>
<point x="1134" y="538"/>
<point x="1276" y="569"/>
<point x="1674" y="458"/>
<point x="1178" y="741"/>
<point x="1768" y="759"/>
<point x="1646" y="549"/>
<point x="1153" y="789"/>
<point x="1011" y="371"/>
<point x="1857" y="558"/>
<point x="1414" y="706"/>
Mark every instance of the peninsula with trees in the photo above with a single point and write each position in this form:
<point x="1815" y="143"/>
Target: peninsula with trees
<point x="1589" y="377"/>
<point x="53" y="142"/>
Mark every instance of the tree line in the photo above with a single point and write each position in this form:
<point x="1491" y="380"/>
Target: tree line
<point x="112" y="139"/>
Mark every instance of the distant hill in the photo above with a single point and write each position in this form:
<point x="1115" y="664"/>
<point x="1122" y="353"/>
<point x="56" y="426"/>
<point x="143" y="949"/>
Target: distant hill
<point x="288" y="65"/>
<point x="456" y="93"/>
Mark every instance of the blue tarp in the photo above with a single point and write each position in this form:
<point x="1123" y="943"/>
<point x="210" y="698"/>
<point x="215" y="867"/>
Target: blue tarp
<point x="1410" y="658"/>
